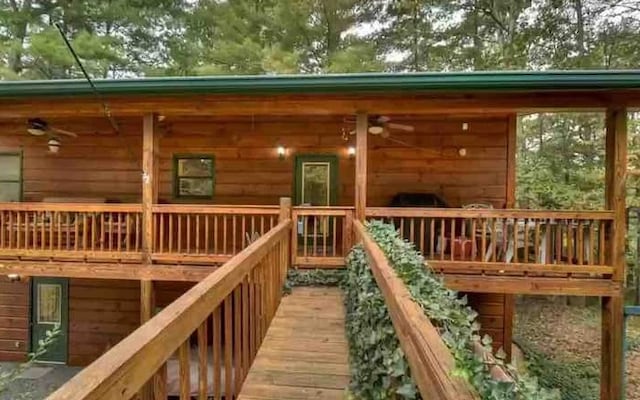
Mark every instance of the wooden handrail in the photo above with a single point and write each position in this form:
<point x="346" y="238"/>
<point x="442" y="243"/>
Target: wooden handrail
<point x="487" y="213"/>
<point x="430" y="360"/>
<point x="72" y="207"/>
<point x="214" y="209"/>
<point x="121" y="372"/>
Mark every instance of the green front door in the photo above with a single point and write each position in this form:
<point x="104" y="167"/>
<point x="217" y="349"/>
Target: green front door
<point x="316" y="180"/>
<point x="316" y="184"/>
<point x="50" y="308"/>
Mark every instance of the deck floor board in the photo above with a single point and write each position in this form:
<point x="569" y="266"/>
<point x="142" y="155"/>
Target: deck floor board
<point x="304" y="354"/>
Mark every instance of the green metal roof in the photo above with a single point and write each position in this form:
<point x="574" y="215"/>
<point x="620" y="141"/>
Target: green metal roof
<point x="335" y="83"/>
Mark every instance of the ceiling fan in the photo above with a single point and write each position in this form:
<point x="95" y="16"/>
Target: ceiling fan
<point x="40" y="127"/>
<point x="381" y="125"/>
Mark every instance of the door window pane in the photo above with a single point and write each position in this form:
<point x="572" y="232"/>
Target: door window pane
<point x="10" y="191"/>
<point x="49" y="303"/>
<point x="10" y="167"/>
<point x="316" y="183"/>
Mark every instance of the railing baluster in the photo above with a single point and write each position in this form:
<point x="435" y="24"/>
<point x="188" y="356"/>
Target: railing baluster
<point x="203" y="361"/>
<point x="188" y="243"/>
<point x="483" y="241"/>
<point x="334" y="236"/>
<point x="228" y="347"/>
<point x="224" y="234"/>
<point x="452" y="238"/>
<point x="170" y="232"/>
<point x="217" y="354"/>
<point x="179" y="244"/>
<point x="246" y="358"/>
<point x="237" y="338"/>
<point x="580" y="246"/>
<point x="207" y="248"/>
<point x="184" y="358"/>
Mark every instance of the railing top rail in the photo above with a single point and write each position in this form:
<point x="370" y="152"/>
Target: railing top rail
<point x="430" y="361"/>
<point x="215" y="209"/>
<point x="322" y="211"/>
<point x="487" y="213"/>
<point x="72" y="207"/>
<point x="123" y="370"/>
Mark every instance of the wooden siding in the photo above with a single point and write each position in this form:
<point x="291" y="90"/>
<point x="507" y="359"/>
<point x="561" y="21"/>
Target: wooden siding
<point x="14" y="320"/>
<point x="101" y="313"/>
<point x="248" y="171"/>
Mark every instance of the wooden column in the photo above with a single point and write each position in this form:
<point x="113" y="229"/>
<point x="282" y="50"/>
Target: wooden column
<point x="612" y="307"/>
<point x="510" y="202"/>
<point x="149" y="198"/>
<point x="361" y="165"/>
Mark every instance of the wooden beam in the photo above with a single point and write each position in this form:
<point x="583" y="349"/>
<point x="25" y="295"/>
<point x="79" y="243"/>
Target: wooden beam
<point x="361" y="165"/>
<point x="124" y="271"/>
<point x="611" y="384"/>
<point x="532" y="285"/>
<point x="322" y="104"/>
<point x="510" y="196"/>
<point x="149" y="198"/>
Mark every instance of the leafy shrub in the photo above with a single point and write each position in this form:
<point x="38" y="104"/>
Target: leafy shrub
<point x="576" y="380"/>
<point x="8" y="377"/>
<point x="315" y="277"/>
<point x="379" y="368"/>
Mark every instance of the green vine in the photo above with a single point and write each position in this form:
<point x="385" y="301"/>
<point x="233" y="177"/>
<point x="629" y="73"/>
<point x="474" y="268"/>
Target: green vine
<point x="375" y="350"/>
<point x="313" y="277"/>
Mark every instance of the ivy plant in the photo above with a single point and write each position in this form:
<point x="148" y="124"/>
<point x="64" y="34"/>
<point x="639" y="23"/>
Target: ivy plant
<point x="379" y="368"/>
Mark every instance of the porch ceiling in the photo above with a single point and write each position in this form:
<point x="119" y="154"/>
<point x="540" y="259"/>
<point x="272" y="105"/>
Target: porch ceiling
<point x="320" y="105"/>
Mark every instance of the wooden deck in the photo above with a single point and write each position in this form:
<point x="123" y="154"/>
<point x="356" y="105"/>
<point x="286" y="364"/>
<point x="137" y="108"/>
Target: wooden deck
<point x="304" y="354"/>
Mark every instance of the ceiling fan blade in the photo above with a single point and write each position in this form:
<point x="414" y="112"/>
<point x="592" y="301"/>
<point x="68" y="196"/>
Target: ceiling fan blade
<point x="383" y="119"/>
<point x="64" y="132"/>
<point x="402" y="142"/>
<point x="401" y="127"/>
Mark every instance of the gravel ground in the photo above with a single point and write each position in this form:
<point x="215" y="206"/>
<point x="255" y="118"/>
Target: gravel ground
<point x="568" y="333"/>
<point x="37" y="382"/>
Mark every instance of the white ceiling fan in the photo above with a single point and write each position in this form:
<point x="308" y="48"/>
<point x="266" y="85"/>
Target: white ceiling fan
<point x="40" y="127"/>
<point x="381" y="125"/>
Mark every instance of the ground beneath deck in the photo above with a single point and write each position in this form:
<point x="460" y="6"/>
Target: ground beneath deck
<point x="304" y="354"/>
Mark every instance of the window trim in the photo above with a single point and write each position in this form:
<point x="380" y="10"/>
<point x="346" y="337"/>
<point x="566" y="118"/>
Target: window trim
<point x="176" y="176"/>
<point x="20" y="179"/>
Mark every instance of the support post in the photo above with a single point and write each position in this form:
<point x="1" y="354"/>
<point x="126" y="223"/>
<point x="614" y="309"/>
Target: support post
<point x="510" y="196"/>
<point x="361" y="165"/>
<point x="612" y="307"/>
<point x="149" y="198"/>
<point x="285" y="209"/>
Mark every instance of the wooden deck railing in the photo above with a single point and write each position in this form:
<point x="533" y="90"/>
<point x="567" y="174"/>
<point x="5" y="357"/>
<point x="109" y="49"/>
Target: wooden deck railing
<point x="70" y="231"/>
<point x="225" y="316"/>
<point x="321" y="236"/>
<point x="207" y="233"/>
<point x="494" y="241"/>
<point x="430" y="360"/>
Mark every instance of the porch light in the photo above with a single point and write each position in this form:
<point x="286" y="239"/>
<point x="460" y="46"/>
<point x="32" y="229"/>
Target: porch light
<point x="462" y="152"/>
<point x="54" y="145"/>
<point x="351" y="151"/>
<point x="281" y="152"/>
<point x="465" y="126"/>
<point x="13" y="277"/>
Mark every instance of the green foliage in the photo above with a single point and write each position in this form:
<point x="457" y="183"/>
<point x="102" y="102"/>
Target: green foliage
<point x="315" y="277"/>
<point x="7" y="377"/>
<point x="575" y="380"/>
<point x="378" y="365"/>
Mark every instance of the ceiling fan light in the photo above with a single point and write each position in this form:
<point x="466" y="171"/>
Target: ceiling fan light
<point x="376" y="130"/>
<point x="54" y="145"/>
<point x="35" y="131"/>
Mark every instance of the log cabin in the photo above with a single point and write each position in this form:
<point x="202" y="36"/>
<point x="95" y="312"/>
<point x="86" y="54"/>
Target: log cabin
<point x="114" y="205"/>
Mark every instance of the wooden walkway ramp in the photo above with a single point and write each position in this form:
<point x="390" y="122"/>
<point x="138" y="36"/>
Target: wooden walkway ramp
<point x="304" y="354"/>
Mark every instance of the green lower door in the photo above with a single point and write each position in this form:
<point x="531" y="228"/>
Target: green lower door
<point x="50" y="308"/>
